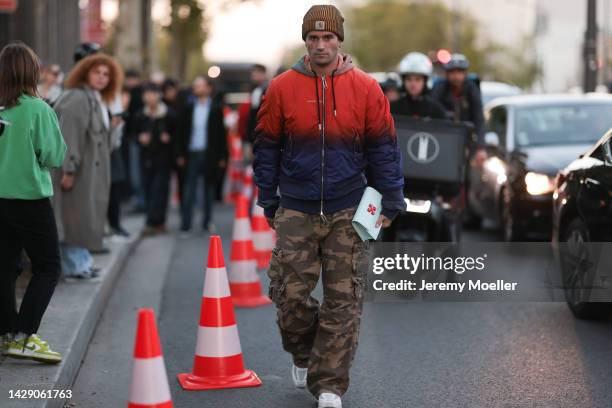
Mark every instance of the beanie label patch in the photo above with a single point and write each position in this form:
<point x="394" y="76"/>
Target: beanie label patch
<point x="320" y="25"/>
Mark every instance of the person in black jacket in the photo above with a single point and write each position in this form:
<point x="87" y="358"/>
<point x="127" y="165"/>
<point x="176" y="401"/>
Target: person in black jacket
<point x="415" y="69"/>
<point x="131" y="147"/>
<point x="462" y="101"/>
<point x="173" y="97"/>
<point x="154" y="128"/>
<point x="202" y="150"/>
<point x="259" y="81"/>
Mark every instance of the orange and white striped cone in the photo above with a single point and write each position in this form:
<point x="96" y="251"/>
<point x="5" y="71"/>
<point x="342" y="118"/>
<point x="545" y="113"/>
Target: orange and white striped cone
<point x="247" y="183"/>
<point x="238" y="160"/>
<point x="234" y="184"/>
<point x="149" y="388"/>
<point x="264" y="237"/>
<point x="244" y="281"/>
<point x="218" y="361"/>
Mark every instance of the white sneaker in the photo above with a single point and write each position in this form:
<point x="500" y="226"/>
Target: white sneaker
<point x="299" y="376"/>
<point x="329" y="400"/>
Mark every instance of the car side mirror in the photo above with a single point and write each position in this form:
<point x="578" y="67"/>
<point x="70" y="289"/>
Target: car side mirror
<point x="491" y="139"/>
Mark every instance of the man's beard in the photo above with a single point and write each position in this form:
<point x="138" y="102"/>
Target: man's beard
<point x="328" y="61"/>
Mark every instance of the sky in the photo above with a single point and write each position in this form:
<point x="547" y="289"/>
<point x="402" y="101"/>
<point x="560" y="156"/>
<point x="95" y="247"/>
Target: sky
<point x="257" y="31"/>
<point x="263" y="30"/>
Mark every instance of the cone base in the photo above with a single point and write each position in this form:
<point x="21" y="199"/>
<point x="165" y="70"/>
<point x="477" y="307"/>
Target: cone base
<point x="260" y="300"/>
<point x="248" y="295"/>
<point x="167" y="404"/>
<point x="191" y="382"/>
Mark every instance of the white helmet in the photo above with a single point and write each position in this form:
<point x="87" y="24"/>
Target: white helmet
<point x="415" y="63"/>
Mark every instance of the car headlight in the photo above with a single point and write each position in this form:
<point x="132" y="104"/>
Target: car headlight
<point x="538" y="184"/>
<point x="417" y="206"/>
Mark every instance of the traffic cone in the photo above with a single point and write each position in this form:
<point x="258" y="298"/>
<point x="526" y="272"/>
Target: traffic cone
<point x="218" y="359"/>
<point x="149" y="387"/>
<point x="234" y="179"/>
<point x="264" y="237"/>
<point x="247" y="183"/>
<point x="244" y="282"/>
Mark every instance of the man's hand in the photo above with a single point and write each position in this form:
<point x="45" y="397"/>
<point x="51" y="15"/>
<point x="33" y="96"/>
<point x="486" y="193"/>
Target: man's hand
<point x="165" y="137"/>
<point x="116" y="121"/>
<point x="144" y="138"/>
<point x="222" y="164"/>
<point x="67" y="182"/>
<point x="181" y="162"/>
<point x="384" y="221"/>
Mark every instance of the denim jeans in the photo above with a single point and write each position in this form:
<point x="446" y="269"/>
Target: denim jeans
<point x="76" y="261"/>
<point x="195" y="172"/>
<point x="136" y="174"/>
<point x="156" y="181"/>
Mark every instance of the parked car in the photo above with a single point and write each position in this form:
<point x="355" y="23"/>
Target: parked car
<point x="582" y="217"/>
<point x="490" y="90"/>
<point x="529" y="139"/>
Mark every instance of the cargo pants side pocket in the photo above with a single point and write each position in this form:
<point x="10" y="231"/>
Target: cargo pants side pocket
<point x="360" y="262"/>
<point x="277" y="282"/>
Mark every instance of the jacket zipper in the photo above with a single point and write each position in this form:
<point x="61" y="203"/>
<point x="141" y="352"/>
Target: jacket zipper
<point x="322" y="126"/>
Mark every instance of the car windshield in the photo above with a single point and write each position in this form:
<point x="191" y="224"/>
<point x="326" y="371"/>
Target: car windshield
<point x="564" y="124"/>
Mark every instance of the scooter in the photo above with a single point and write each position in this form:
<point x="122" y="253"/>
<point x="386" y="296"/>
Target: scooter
<point x="429" y="217"/>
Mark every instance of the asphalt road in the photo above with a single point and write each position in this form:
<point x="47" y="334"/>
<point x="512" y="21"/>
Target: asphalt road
<point x="434" y="354"/>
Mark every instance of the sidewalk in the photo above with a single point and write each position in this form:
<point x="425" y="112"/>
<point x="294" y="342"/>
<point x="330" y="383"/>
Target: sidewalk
<point x="68" y="326"/>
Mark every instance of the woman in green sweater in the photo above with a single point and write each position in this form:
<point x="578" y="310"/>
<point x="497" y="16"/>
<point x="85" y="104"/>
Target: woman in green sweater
<point x="30" y="144"/>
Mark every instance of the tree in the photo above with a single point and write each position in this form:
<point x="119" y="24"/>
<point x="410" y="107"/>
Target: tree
<point x="381" y="32"/>
<point x="187" y="35"/>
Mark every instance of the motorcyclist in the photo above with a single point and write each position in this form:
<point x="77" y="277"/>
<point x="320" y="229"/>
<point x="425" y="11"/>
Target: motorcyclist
<point x="415" y="69"/>
<point x="462" y="101"/>
<point x="391" y="88"/>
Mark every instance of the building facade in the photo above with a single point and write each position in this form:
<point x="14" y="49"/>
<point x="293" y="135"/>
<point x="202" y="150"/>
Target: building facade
<point x="50" y="27"/>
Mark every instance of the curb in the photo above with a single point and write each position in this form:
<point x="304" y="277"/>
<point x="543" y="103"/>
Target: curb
<point x="74" y="356"/>
<point x="78" y="308"/>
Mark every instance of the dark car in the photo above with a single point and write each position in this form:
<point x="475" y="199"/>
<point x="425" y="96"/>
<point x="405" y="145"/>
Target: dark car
<point x="582" y="229"/>
<point x="529" y="139"/>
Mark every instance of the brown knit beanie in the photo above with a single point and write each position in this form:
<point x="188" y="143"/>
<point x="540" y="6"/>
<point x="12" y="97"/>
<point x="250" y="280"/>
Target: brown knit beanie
<point x="323" y="18"/>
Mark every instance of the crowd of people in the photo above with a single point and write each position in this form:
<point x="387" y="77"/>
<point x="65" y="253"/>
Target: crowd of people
<point x="126" y="139"/>
<point x="101" y="139"/>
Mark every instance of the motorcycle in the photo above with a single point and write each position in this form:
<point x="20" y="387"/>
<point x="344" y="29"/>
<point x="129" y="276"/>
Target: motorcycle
<point x="434" y="157"/>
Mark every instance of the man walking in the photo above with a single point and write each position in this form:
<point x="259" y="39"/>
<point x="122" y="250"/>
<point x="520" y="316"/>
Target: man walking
<point x="202" y="149"/>
<point x="322" y="126"/>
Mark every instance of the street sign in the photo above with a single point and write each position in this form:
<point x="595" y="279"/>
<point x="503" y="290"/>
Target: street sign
<point x="8" y="6"/>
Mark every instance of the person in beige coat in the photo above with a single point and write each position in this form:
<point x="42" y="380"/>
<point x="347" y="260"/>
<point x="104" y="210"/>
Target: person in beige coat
<point x="87" y="126"/>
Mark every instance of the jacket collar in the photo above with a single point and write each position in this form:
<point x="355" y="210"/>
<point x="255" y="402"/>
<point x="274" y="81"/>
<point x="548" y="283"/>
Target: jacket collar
<point x="162" y="109"/>
<point x="303" y="66"/>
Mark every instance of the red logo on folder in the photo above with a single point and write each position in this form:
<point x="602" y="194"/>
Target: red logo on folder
<point x="372" y="209"/>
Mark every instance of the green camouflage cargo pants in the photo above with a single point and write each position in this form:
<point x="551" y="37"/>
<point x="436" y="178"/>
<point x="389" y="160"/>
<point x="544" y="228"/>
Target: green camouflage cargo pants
<point x="321" y="337"/>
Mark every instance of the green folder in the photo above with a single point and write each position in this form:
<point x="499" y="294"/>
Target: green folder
<point x="367" y="214"/>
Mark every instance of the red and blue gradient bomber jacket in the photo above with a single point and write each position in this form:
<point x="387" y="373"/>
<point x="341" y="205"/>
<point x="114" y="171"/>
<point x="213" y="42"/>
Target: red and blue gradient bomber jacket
<point x="320" y="141"/>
